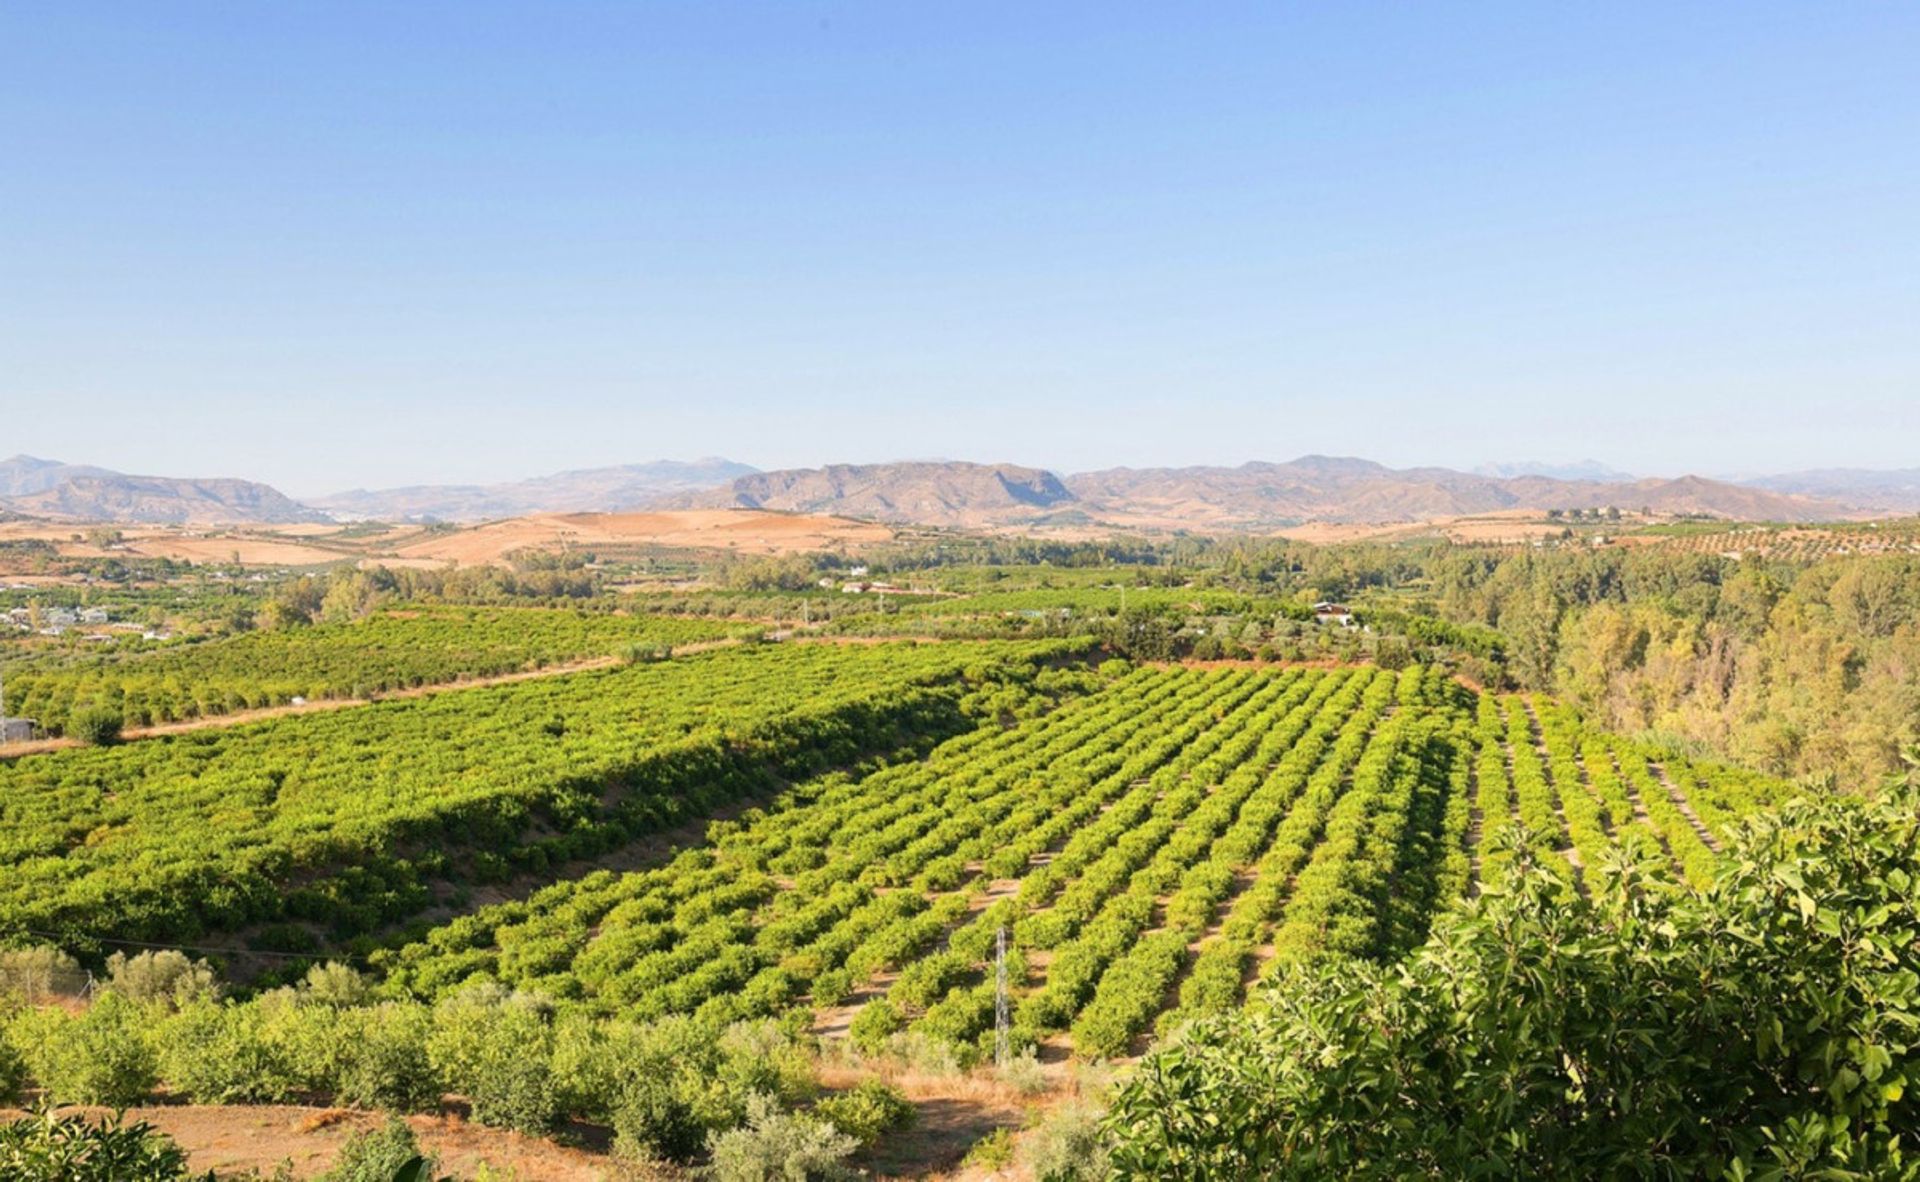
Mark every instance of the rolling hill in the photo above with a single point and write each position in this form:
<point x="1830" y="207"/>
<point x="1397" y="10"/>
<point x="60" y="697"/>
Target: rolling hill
<point x="606" y="490"/>
<point x="1256" y="495"/>
<point x="919" y="492"/>
<point x="1343" y="489"/>
<point x="1895" y="491"/>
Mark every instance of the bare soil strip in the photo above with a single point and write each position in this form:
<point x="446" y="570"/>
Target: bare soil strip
<point x="1476" y="828"/>
<point x="562" y="669"/>
<point x="234" y="1139"/>
<point x="242" y="717"/>
<point x="1685" y="806"/>
<point x="1571" y="854"/>
<point x="1640" y="814"/>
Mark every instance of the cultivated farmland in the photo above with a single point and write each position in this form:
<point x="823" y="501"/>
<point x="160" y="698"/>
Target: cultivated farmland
<point x="343" y="821"/>
<point x="1151" y="849"/>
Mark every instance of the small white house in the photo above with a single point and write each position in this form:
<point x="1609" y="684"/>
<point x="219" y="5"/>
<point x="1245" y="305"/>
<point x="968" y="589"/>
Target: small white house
<point x="1333" y="613"/>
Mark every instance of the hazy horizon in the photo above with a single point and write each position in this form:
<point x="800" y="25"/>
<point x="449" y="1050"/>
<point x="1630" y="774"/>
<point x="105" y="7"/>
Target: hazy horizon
<point x="1478" y="468"/>
<point x="354" y="245"/>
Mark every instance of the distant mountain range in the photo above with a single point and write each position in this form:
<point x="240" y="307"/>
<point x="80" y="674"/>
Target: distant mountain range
<point x="1895" y="491"/>
<point x="1258" y="495"/>
<point x="1578" y="470"/>
<point x="922" y="492"/>
<point x="584" y="490"/>
<point x="77" y="492"/>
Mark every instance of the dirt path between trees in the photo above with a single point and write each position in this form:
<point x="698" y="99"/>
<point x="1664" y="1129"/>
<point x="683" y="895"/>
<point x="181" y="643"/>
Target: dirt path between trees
<point x="1685" y="806"/>
<point x="1537" y="734"/>
<point x="233" y="1139"/>
<point x="242" y="717"/>
<point x="321" y="705"/>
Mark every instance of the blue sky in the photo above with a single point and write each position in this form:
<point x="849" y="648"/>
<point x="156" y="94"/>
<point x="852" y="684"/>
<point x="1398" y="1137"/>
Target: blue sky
<point x="340" y="244"/>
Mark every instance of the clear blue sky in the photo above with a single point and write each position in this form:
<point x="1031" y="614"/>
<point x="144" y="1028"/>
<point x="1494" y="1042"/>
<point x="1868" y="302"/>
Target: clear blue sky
<point x="342" y="244"/>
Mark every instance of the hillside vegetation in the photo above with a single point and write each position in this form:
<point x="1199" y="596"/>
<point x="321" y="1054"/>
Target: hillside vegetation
<point x="390" y="650"/>
<point x="344" y="820"/>
<point x="1142" y="808"/>
<point x="1767" y="1026"/>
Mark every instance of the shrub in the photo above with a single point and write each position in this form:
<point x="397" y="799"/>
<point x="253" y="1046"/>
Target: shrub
<point x="49" y="1148"/>
<point x="495" y="1049"/>
<point x="994" y="1152"/>
<point x="868" y="1111"/>
<point x="876" y="1022"/>
<point x="654" y="1081"/>
<point x="164" y="976"/>
<point x="334" y="984"/>
<point x="36" y="974"/>
<point x="218" y="1054"/>
<point x="1024" y="1074"/>
<point x="99" y="1057"/>
<point x="779" y="1146"/>
<point x="386" y="1063"/>
<point x="665" y="1084"/>
<point x="584" y="1075"/>
<point x="96" y="726"/>
<point x="925" y="1054"/>
<point x="1068" y="1145"/>
<point x="312" y="1042"/>
<point x="378" y="1155"/>
<point x="656" y="1119"/>
<point x="764" y="1057"/>
<point x="13" y="1073"/>
<point x="832" y="987"/>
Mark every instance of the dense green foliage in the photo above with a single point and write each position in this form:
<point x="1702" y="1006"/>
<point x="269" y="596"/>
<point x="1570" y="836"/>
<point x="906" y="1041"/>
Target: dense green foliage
<point x="867" y="1111"/>
<point x="1157" y="843"/>
<point x="95" y="726"/>
<point x="773" y="1145"/>
<point x="1794" y="660"/>
<point x="100" y="1056"/>
<point x="1767" y="1027"/>
<point x="380" y="1155"/>
<point x="1148" y="837"/>
<point x="1153" y="838"/>
<point x="663" y="1086"/>
<point x="49" y="1148"/>
<point x="343" y="820"/>
<point x="392" y="650"/>
<point x="1789" y="666"/>
<point x="1406" y="928"/>
<point x="1791" y="658"/>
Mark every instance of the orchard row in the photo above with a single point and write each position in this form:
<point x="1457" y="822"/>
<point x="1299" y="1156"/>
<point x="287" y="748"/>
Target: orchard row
<point x="336" y="823"/>
<point x="1146" y="851"/>
<point x="168" y="682"/>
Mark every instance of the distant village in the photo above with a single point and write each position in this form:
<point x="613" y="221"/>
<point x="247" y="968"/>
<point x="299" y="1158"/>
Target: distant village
<point x="59" y="621"/>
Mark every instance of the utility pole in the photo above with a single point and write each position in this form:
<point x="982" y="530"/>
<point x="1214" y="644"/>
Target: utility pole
<point x="1001" y="1051"/>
